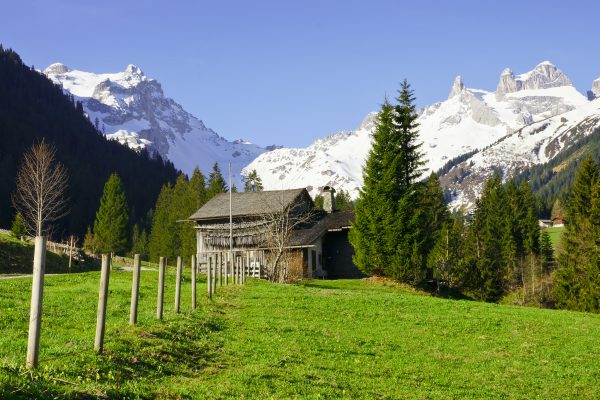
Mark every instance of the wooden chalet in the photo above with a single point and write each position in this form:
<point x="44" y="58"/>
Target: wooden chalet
<point x="316" y="247"/>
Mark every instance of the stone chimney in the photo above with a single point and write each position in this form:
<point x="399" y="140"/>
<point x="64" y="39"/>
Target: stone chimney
<point x="328" y="199"/>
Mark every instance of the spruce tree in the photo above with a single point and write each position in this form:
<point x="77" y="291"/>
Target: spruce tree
<point x="17" y="228"/>
<point x="111" y="226"/>
<point x="253" y="183"/>
<point x="374" y="244"/>
<point x="161" y="243"/>
<point x="386" y="235"/>
<point x="216" y="182"/>
<point x="577" y="279"/>
<point x="546" y="251"/>
<point x="139" y="243"/>
<point x="89" y="242"/>
<point x="491" y="232"/>
<point x="343" y="200"/>
<point x="195" y="198"/>
<point x="319" y="200"/>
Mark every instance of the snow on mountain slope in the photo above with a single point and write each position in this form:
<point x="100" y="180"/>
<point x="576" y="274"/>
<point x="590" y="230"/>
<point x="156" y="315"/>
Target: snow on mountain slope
<point x="536" y="143"/>
<point x="468" y="120"/>
<point x="132" y="108"/>
<point x="335" y="160"/>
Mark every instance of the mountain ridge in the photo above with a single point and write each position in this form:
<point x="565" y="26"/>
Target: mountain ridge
<point x="467" y="121"/>
<point x="132" y="108"/>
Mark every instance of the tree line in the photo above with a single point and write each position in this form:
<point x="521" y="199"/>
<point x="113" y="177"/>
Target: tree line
<point x="166" y="233"/>
<point x="404" y="229"/>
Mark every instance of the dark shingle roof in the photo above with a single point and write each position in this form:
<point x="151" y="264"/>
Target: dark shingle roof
<point x="246" y="204"/>
<point x="335" y="220"/>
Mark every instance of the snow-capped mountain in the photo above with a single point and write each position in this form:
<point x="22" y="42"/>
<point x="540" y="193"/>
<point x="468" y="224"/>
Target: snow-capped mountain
<point x="535" y="143"/>
<point x="132" y="108"/>
<point x="470" y="119"/>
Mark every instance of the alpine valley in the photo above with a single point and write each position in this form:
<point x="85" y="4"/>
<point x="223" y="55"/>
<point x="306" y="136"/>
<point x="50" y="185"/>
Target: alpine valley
<point x="527" y="120"/>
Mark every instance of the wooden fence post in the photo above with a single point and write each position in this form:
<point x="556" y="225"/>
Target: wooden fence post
<point x="102" y="298"/>
<point x="193" y="282"/>
<point x="234" y="262"/>
<point x="161" y="288"/>
<point x="247" y="265"/>
<point x="226" y="263"/>
<point x="208" y="276"/>
<point x="135" y="289"/>
<point x="37" y="294"/>
<point x="178" y="284"/>
<point x="219" y="268"/>
<point x="222" y="266"/>
<point x="71" y="244"/>
<point x="213" y="279"/>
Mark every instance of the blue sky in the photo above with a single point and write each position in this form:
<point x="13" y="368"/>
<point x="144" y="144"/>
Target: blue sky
<point x="287" y="72"/>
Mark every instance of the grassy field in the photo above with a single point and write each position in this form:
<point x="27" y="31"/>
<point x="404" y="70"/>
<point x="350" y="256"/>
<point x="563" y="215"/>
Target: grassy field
<point x="555" y="234"/>
<point x="320" y="339"/>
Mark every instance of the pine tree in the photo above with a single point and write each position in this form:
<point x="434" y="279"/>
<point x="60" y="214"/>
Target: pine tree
<point x="17" y="228"/>
<point x="195" y="198"/>
<point x="319" y="200"/>
<point x="435" y="212"/>
<point x="373" y="243"/>
<point x="577" y="279"/>
<point x="343" y="200"/>
<point x="139" y="243"/>
<point x="557" y="210"/>
<point x="216" y="182"/>
<point x="386" y="235"/>
<point x="89" y="242"/>
<point x="112" y="219"/>
<point x="490" y="231"/>
<point x="161" y="243"/>
<point x="253" y="183"/>
<point x="546" y="251"/>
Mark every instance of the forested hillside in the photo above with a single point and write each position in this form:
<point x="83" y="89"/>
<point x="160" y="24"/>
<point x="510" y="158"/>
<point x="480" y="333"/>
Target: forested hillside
<point x="553" y="179"/>
<point x="32" y="108"/>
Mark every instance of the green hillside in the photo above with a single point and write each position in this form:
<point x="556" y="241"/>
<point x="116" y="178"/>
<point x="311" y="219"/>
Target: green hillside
<point x="553" y="179"/>
<point x="322" y="339"/>
<point x="16" y="257"/>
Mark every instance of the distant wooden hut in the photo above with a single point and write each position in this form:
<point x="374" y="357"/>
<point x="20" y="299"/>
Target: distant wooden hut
<point x="559" y="221"/>
<point x="316" y="246"/>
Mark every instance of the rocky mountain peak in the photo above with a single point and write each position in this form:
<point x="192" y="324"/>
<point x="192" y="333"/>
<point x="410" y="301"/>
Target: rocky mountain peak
<point x="57" y="68"/>
<point x="457" y="87"/>
<point x="545" y="75"/>
<point x="595" y="92"/>
<point x="133" y="70"/>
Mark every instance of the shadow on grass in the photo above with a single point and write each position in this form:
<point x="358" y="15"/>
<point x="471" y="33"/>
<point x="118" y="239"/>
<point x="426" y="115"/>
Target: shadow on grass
<point x="16" y="257"/>
<point x="444" y="291"/>
<point x="134" y="365"/>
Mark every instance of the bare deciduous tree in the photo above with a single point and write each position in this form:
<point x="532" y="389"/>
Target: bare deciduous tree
<point x="41" y="183"/>
<point x="281" y="224"/>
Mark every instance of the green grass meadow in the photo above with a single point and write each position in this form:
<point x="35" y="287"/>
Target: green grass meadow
<point x="555" y="235"/>
<point x="320" y="339"/>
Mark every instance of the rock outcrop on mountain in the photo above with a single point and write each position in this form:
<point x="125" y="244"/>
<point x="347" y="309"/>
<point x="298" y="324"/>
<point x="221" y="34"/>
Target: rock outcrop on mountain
<point x="457" y="87"/>
<point x="545" y="75"/>
<point x="132" y="108"/>
<point x="595" y="92"/>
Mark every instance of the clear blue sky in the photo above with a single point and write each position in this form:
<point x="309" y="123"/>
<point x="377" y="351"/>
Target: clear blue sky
<point x="287" y="72"/>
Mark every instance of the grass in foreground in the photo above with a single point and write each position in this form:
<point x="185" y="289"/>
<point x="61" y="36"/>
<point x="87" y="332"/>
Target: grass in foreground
<point x="321" y="339"/>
